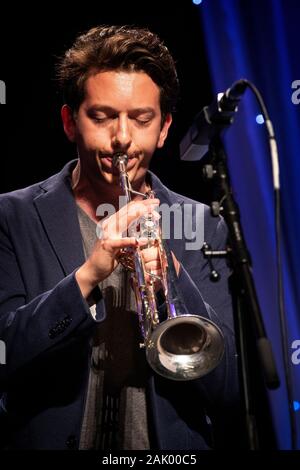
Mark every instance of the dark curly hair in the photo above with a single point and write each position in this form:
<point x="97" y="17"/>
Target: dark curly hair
<point x="126" y="48"/>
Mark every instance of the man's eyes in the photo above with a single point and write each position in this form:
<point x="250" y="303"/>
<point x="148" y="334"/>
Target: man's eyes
<point x="140" y="121"/>
<point x="102" y="118"/>
<point x="97" y="119"/>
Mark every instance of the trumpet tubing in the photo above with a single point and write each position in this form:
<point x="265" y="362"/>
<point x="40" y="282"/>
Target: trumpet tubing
<point x="181" y="346"/>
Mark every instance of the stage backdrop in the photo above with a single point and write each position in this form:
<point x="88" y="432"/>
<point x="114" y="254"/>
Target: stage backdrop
<point x="259" y="40"/>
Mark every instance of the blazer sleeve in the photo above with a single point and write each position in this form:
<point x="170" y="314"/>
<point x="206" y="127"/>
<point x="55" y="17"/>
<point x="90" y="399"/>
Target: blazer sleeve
<point x="53" y="319"/>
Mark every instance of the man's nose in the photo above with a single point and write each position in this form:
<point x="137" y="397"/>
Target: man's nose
<point x="122" y="134"/>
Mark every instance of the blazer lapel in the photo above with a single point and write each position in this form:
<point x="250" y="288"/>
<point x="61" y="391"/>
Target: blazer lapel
<point x="58" y="213"/>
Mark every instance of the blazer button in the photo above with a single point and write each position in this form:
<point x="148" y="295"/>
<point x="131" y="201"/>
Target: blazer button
<point x="52" y="333"/>
<point x="71" y="442"/>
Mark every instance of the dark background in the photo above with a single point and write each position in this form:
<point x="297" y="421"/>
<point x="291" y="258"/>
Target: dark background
<point x="32" y="143"/>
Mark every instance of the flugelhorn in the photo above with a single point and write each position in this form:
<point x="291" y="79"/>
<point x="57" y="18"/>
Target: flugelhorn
<point x="178" y="345"/>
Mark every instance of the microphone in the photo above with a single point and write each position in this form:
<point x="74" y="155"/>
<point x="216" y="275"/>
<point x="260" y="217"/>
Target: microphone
<point x="211" y="121"/>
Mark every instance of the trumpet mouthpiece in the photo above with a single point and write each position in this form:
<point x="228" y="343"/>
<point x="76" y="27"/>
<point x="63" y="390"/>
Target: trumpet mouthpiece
<point x="120" y="158"/>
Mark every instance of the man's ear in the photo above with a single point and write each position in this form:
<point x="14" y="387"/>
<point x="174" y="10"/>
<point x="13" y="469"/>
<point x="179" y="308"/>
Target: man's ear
<point x="69" y="124"/>
<point x="164" y="131"/>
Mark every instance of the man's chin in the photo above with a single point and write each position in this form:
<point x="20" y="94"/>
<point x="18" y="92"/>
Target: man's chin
<point x="110" y="178"/>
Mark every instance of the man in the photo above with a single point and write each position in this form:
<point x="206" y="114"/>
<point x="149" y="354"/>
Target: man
<point x="75" y="376"/>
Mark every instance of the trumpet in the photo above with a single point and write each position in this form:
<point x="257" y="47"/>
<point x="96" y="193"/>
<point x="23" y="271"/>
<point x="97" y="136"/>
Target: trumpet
<point x="178" y="345"/>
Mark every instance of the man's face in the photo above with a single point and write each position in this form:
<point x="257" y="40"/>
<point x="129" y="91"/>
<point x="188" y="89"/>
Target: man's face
<point x="120" y="113"/>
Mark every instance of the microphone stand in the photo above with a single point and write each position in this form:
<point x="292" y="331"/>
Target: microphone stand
<point x="248" y="316"/>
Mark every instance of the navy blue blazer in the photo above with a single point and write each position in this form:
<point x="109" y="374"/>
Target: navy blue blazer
<point x="46" y="326"/>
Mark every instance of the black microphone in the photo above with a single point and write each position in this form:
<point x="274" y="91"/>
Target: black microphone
<point x="211" y="121"/>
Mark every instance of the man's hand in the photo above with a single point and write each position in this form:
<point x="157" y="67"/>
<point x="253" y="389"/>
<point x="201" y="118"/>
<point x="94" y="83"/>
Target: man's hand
<point x="104" y="258"/>
<point x="153" y="265"/>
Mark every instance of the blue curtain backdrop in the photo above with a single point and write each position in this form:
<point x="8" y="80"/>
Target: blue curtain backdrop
<point x="259" y="40"/>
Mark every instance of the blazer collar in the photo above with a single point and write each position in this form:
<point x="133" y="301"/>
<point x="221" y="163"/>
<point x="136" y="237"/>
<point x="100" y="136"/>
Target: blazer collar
<point x="165" y="195"/>
<point x="57" y="209"/>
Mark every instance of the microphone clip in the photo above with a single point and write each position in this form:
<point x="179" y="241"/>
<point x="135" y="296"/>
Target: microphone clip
<point x="209" y="254"/>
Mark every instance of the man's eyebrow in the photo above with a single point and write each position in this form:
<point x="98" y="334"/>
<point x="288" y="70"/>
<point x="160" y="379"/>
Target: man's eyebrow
<point x="109" y="109"/>
<point x="145" y="110"/>
<point x="98" y="107"/>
